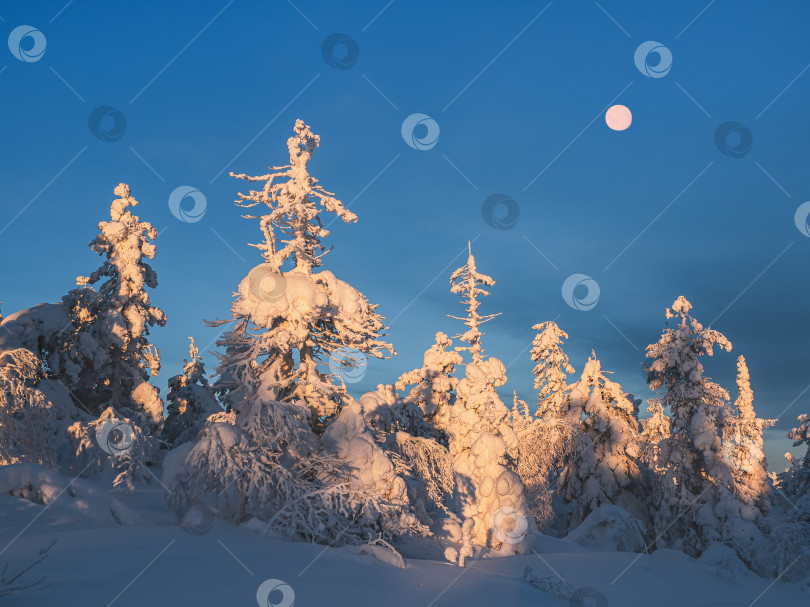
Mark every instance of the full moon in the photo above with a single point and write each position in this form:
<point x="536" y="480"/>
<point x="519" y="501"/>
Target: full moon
<point x="618" y="117"/>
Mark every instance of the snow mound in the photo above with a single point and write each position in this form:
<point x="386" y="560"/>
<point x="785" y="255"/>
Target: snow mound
<point x="384" y="552"/>
<point x="610" y="528"/>
<point x="725" y="561"/>
<point x="27" y="328"/>
<point x="42" y="486"/>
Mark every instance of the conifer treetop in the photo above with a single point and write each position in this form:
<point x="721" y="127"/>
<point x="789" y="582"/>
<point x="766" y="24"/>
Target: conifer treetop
<point x="745" y="395"/>
<point x="468" y="281"/>
<point x="292" y="227"/>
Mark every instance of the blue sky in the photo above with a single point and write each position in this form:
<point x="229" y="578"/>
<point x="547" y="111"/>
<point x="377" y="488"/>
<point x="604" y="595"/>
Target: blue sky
<point x="518" y="91"/>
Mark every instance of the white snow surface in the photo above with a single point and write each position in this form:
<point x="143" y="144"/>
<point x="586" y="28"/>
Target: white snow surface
<point x="152" y="561"/>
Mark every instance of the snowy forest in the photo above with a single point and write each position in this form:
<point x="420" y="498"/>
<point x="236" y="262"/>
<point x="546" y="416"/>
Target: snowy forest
<point x="272" y="443"/>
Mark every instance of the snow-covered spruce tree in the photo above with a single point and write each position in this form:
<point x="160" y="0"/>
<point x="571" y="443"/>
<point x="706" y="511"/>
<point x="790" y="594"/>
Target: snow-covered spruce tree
<point x="694" y="500"/>
<point x="288" y="318"/>
<point x="742" y="446"/>
<point x="105" y="357"/>
<point x="787" y="553"/>
<point x="421" y="443"/>
<point x="434" y="384"/>
<point x="481" y="434"/>
<point x="293" y="455"/>
<point x="796" y="480"/>
<point x="520" y="416"/>
<point x="603" y="469"/>
<point x="552" y="367"/>
<point x="654" y="429"/>
<point x="190" y="400"/>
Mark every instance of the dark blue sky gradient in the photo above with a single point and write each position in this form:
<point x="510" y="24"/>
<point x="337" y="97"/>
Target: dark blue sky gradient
<point x="234" y="84"/>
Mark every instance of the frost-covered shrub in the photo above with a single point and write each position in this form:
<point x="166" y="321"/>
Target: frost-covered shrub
<point x="786" y="551"/>
<point x="16" y="581"/>
<point x="544" y="448"/>
<point x="112" y="446"/>
<point x="268" y="467"/>
<point x="28" y="420"/>
<point x="430" y="469"/>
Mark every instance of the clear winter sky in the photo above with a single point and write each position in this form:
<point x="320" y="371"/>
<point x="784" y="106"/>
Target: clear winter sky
<point x="519" y="91"/>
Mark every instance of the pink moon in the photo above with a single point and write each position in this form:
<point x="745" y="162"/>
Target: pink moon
<point x="618" y="117"/>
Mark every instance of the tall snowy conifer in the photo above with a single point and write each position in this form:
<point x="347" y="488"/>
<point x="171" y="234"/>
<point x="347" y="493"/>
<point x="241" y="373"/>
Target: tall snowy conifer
<point x="293" y="450"/>
<point x="695" y="496"/>
<point x="469" y="282"/>
<point x="742" y="443"/>
<point x="604" y="468"/>
<point x="288" y="318"/>
<point x="481" y="434"/>
<point x="105" y="357"/>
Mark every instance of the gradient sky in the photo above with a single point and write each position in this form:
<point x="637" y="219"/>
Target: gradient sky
<point x="518" y="89"/>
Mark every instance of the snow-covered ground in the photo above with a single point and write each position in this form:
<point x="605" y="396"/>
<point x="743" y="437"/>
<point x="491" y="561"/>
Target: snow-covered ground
<point x="150" y="560"/>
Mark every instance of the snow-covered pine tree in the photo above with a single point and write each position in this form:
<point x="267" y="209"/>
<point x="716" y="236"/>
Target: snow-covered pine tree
<point x="604" y="468"/>
<point x="469" y="283"/>
<point x="654" y="429"/>
<point x="796" y="480"/>
<point x="552" y="368"/>
<point x="694" y="497"/>
<point x="521" y="417"/>
<point x="190" y="400"/>
<point x="434" y="384"/>
<point x="787" y="553"/>
<point x="105" y="357"/>
<point x="293" y="454"/>
<point x="480" y="430"/>
<point x="288" y="318"/>
<point x="742" y="445"/>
